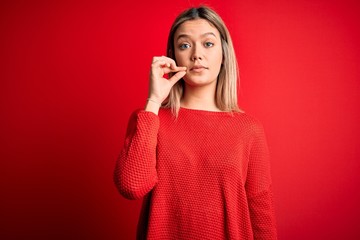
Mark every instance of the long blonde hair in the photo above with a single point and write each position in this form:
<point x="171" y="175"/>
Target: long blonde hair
<point x="226" y="90"/>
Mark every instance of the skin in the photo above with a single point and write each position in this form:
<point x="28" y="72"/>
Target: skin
<point x="199" y="53"/>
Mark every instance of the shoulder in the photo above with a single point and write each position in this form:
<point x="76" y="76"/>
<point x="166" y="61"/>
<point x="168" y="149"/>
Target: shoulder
<point x="248" y="125"/>
<point x="248" y="120"/>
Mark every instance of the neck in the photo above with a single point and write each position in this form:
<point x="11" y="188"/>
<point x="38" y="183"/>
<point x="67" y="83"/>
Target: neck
<point x="201" y="98"/>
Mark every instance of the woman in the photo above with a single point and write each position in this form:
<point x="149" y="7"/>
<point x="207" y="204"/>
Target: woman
<point x="200" y="163"/>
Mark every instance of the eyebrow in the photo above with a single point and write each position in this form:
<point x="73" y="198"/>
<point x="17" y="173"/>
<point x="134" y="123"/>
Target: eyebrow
<point x="202" y="35"/>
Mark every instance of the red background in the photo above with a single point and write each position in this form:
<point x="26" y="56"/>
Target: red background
<point x="72" y="72"/>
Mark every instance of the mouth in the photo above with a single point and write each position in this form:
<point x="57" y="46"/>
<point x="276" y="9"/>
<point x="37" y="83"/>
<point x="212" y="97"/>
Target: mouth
<point x="198" y="68"/>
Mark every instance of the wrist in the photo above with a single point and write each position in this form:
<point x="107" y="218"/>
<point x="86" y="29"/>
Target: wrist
<point x="152" y="106"/>
<point x="154" y="100"/>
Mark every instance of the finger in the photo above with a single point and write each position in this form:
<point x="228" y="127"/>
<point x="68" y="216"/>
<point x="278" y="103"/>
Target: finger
<point x="167" y="64"/>
<point x="160" y="63"/>
<point x="177" y="76"/>
<point x="171" y="61"/>
<point x="162" y="58"/>
<point x="172" y="64"/>
<point x="177" y="69"/>
<point x="155" y="59"/>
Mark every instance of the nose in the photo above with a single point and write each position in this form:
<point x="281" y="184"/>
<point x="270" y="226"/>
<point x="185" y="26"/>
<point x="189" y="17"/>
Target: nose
<point x="196" y="53"/>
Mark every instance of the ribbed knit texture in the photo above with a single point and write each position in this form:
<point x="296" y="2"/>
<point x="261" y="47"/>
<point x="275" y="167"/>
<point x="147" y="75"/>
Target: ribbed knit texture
<point x="204" y="175"/>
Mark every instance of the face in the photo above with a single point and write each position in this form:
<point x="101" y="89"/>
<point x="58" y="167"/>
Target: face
<point x="197" y="46"/>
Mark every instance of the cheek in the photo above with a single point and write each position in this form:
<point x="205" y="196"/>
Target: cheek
<point x="217" y="57"/>
<point x="179" y="58"/>
<point x="217" y="60"/>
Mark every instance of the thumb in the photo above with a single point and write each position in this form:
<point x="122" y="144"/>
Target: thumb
<point x="177" y="76"/>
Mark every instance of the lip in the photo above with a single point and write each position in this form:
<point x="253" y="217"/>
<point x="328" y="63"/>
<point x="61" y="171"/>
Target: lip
<point x="198" y="68"/>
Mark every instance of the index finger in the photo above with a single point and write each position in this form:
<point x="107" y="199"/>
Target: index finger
<point x="174" y="66"/>
<point x="177" y="69"/>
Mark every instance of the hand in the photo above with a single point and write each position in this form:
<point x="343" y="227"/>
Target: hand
<point x="159" y="86"/>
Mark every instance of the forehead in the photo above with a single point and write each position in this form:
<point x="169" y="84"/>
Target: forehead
<point x="195" y="28"/>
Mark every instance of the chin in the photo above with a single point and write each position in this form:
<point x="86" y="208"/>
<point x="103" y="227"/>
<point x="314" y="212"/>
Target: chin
<point x="197" y="80"/>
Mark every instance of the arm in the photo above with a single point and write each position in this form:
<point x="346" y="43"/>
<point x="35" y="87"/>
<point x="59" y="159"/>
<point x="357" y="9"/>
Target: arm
<point x="258" y="188"/>
<point x="135" y="171"/>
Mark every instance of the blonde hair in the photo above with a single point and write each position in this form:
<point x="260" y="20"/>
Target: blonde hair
<point x="226" y="90"/>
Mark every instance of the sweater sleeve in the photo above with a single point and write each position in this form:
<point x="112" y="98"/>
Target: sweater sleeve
<point x="135" y="170"/>
<point x="258" y="188"/>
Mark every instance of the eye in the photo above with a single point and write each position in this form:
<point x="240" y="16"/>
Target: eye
<point x="184" y="46"/>
<point x="209" y="44"/>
